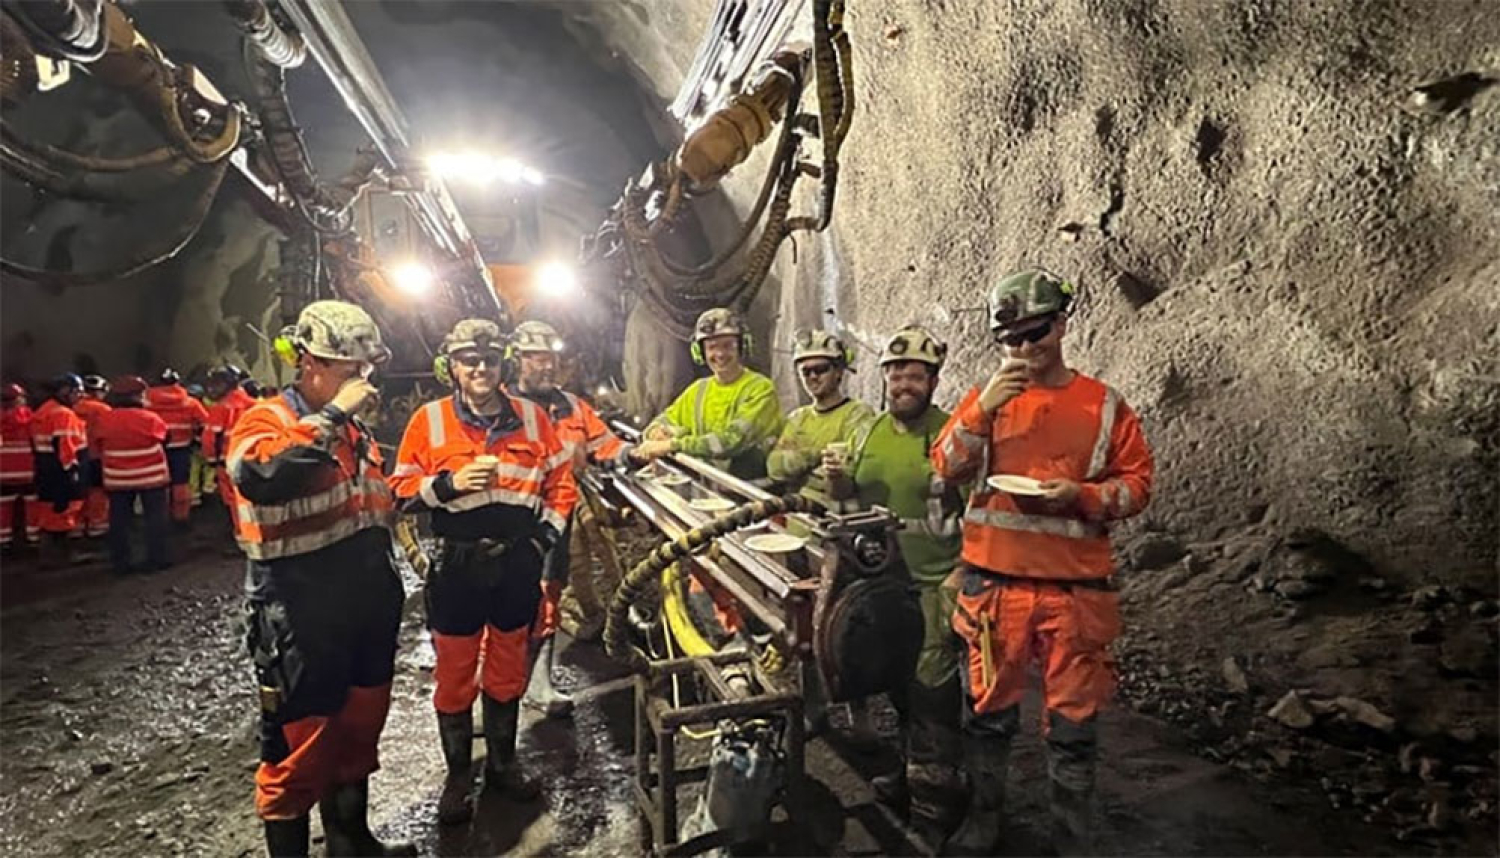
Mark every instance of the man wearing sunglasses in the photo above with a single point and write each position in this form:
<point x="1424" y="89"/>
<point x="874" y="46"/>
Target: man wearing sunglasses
<point x="1036" y="570"/>
<point x="314" y="513"/>
<point x="821" y="360"/>
<point x="499" y="485"/>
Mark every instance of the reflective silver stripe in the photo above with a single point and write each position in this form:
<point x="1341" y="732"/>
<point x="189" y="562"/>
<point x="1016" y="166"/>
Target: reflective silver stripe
<point x="702" y="393"/>
<point x="551" y="517"/>
<point x="136" y="482"/>
<point x="715" y="444"/>
<point x="1069" y="527"/>
<point x="596" y="443"/>
<point x="1107" y="497"/>
<point x="521" y="472"/>
<point x="134" y="451"/>
<point x="973" y="443"/>
<point x="1106" y="429"/>
<point x="15" y="448"/>
<point x="475" y="500"/>
<point x="183" y="446"/>
<point x="159" y="468"/>
<point x="274" y="514"/>
<point x="406" y="469"/>
<point x="16" y="475"/>
<point x="436" y="434"/>
<point x="237" y="455"/>
<point x="529" y="417"/>
<point x="292" y="545"/>
<point x="561" y="457"/>
<point x="427" y="493"/>
<point x="1123" y="498"/>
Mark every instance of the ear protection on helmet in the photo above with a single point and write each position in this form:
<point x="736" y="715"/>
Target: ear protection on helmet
<point x="696" y="349"/>
<point x="285" y="350"/>
<point x="442" y="370"/>
<point x="510" y="367"/>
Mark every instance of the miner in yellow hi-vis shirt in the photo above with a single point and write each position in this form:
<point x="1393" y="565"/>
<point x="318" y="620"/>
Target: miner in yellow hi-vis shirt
<point x="731" y="418"/>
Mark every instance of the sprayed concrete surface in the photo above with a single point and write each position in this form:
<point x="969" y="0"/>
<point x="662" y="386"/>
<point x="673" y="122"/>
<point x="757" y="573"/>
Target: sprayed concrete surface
<point x="128" y="728"/>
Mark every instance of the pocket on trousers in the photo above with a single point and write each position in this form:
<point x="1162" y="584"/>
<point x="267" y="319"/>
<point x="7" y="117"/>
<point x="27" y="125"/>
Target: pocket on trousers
<point x="279" y="667"/>
<point x="970" y="603"/>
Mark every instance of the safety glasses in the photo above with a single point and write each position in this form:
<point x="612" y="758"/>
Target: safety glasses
<point x="815" y="370"/>
<point x="1031" y="335"/>
<point x="474" y="360"/>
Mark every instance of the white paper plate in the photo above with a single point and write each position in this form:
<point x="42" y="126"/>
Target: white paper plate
<point x="711" y="504"/>
<point x="774" y="543"/>
<point x="1015" y="484"/>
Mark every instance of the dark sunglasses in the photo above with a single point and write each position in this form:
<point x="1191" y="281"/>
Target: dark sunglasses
<point x="1033" y="335"/>
<point x="816" y="370"/>
<point x="472" y="360"/>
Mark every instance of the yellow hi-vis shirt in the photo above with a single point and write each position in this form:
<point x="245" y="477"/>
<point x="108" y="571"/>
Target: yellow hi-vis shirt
<point x="732" y="426"/>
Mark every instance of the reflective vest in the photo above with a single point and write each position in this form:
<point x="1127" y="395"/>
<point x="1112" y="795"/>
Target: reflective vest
<point x="732" y="425"/>
<point x="58" y="432"/>
<point x="1083" y="432"/>
<point x="185" y="415"/>
<point x="579" y="426"/>
<point x="129" y="440"/>
<point x="16" y="464"/>
<point x="90" y="410"/>
<point x="339" y="499"/>
<point x="535" y="472"/>
<point x="221" y="419"/>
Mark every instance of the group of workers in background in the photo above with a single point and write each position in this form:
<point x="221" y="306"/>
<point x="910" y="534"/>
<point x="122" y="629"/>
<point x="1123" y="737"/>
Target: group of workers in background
<point x="1006" y="577"/>
<point x="80" y="464"/>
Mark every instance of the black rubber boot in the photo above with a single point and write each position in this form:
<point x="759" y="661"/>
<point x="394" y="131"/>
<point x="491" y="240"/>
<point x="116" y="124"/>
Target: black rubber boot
<point x="501" y="771"/>
<point x="346" y="825"/>
<point x="987" y="758"/>
<point x="286" y="838"/>
<point x="456" y="731"/>
<point x="1072" y="749"/>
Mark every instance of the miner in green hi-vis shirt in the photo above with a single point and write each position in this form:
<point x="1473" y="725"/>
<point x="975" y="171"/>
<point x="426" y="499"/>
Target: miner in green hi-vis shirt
<point x="731" y="418"/>
<point x="833" y="418"/>
<point x="889" y="467"/>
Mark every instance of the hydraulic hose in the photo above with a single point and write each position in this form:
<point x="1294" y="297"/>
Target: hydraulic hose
<point x="63" y="29"/>
<point x="281" y="48"/>
<point x="647" y="573"/>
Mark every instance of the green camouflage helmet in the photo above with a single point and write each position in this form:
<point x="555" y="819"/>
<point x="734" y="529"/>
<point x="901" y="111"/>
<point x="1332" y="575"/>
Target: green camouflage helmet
<point x="717" y="323"/>
<point x="338" y="330"/>
<point x="473" y="334"/>
<point x="536" y="336"/>
<point x="1026" y="295"/>
<point x="808" y="344"/>
<point x="914" y="343"/>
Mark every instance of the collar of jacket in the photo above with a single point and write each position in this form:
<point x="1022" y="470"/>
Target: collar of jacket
<point x="503" y="423"/>
<point x="557" y="403"/>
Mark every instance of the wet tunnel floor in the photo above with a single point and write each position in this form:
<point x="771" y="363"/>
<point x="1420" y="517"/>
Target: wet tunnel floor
<point x="127" y="728"/>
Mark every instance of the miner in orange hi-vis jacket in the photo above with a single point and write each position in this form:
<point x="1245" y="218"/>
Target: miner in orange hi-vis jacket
<point x="1036" y="566"/>
<point x="536" y="347"/>
<point x="313" y="513"/>
<point x="59" y="440"/>
<point x="19" y="509"/>
<point x="185" y="417"/>
<point x="230" y="402"/>
<point x="499" y="485"/>
<point x="91" y="406"/>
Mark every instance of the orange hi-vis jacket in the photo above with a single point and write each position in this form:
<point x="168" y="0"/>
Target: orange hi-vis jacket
<point x="221" y="419"/>
<point x="57" y="431"/>
<point x="17" y="467"/>
<point x="301" y="482"/>
<point x="578" y="425"/>
<point x="90" y="410"/>
<point x="185" y="415"/>
<point x="1083" y="432"/>
<point x="534" y="484"/>
<point x="129" y="441"/>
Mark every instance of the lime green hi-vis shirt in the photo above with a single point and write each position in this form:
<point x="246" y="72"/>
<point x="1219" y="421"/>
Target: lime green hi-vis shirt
<point x="732" y="426"/>
<point x="799" y="451"/>
<point x="891" y="469"/>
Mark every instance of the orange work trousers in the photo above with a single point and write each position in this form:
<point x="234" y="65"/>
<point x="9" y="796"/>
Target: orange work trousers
<point x="64" y="523"/>
<point x="96" y="512"/>
<point x="1065" y="627"/>
<point x="326" y="751"/>
<point x="20" y="512"/>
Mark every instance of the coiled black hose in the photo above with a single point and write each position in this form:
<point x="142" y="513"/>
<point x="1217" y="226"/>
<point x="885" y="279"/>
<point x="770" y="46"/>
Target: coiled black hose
<point x="647" y="573"/>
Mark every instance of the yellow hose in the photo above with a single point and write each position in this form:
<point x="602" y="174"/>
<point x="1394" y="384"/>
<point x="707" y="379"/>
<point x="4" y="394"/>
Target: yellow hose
<point x="674" y="610"/>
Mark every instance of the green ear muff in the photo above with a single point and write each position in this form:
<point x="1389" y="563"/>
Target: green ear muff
<point x="286" y="350"/>
<point x="696" y="350"/>
<point x="441" y="371"/>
